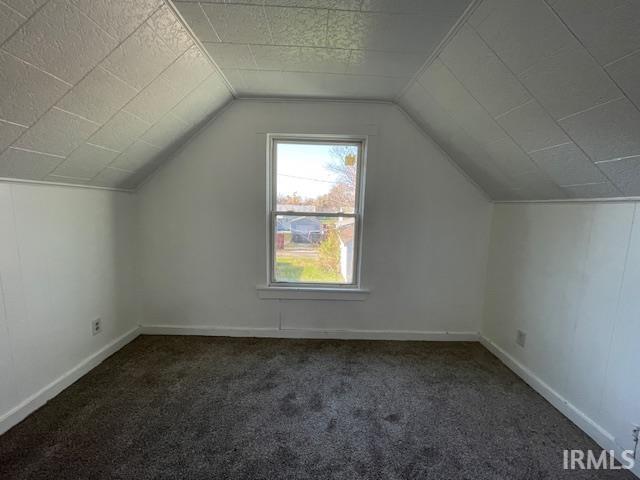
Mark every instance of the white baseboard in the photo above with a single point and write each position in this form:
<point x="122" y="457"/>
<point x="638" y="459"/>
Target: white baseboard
<point x="270" y="332"/>
<point x="38" y="399"/>
<point x="599" y="434"/>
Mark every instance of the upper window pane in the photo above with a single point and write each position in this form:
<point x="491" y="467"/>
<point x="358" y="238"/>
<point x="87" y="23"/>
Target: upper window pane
<point x="316" y="177"/>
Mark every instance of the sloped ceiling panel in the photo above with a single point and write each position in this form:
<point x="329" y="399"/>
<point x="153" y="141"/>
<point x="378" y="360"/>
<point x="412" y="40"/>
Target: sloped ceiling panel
<point x="97" y="92"/>
<point x="320" y="48"/>
<point x="539" y="99"/>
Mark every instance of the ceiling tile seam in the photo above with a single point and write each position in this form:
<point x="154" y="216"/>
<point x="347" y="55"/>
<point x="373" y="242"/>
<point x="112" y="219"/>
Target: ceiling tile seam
<point x="199" y="44"/>
<point x="30" y="150"/>
<point x="110" y="73"/>
<point x="511" y="110"/>
<point x="584" y="184"/>
<point x="35" y="12"/>
<point x="547" y="113"/>
<point x="101" y="147"/>
<point x="593" y="107"/>
<point x="206" y="17"/>
<point x="72" y="5"/>
<point x="14" y="11"/>
<point x="73" y="85"/>
<point x="612" y="160"/>
<point x="606" y="72"/>
<point x="535" y="164"/>
<point x="551" y="147"/>
<point x="6" y="52"/>
<point x="55" y="107"/>
<point x="635" y="52"/>
<point x="253" y="55"/>
<point x="441" y="46"/>
<point x="13" y="123"/>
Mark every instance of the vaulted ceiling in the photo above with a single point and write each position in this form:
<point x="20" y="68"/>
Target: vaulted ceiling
<point x="98" y="92"/>
<point x="533" y="99"/>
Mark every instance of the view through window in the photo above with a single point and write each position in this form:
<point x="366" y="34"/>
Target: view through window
<point x="315" y="211"/>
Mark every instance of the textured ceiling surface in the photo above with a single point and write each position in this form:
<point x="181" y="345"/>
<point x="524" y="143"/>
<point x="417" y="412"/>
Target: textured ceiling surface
<point x="539" y="99"/>
<point x="97" y="92"/>
<point x="320" y="48"/>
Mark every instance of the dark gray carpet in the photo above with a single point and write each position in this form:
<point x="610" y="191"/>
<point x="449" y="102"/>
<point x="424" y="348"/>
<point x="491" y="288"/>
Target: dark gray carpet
<point x="225" y="408"/>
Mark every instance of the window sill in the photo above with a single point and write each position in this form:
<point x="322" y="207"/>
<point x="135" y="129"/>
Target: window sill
<point x="312" y="293"/>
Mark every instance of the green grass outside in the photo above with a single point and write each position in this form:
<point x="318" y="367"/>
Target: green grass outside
<point x="291" y="268"/>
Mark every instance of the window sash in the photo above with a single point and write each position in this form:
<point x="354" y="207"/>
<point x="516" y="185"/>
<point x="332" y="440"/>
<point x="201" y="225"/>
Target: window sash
<point x="273" y="212"/>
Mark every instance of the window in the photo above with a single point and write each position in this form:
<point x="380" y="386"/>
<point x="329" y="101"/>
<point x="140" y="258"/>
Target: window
<point x="315" y="211"/>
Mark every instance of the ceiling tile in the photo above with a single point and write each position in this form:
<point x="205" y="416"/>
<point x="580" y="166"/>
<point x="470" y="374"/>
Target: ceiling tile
<point x="98" y="96"/>
<point x="337" y="4"/>
<point x="8" y="133"/>
<point x="85" y="162"/>
<point x="203" y="101"/>
<point x="231" y="55"/>
<point x="592" y="190"/>
<point x="385" y="32"/>
<point x="120" y="131"/>
<point x="61" y="40"/>
<point x="113" y="178"/>
<point x="331" y="85"/>
<point x="32" y="91"/>
<point x="537" y="186"/>
<point x="27" y="165"/>
<point x="239" y="23"/>
<point x="171" y="30"/>
<point x="57" y="133"/>
<point x="569" y="82"/>
<point x="25" y="7"/>
<point x="607" y="131"/>
<point x="140" y="58"/>
<point x="509" y="158"/>
<point x="482" y="73"/>
<point x="260" y="82"/>
<point x="532" y="128"/>
<point x="197" y="21"/>
<point x="523" y="32"/>
<point x="152" y="103"/>
<point x="625" y="174"/>
<point x="392" y="64"/>
<point x="451" y="94"/>
<point x="301" y="59"/>
<point x="10" y="21"/>
<point x="626" y="73"/>
<point x="568" y="165"/>
<point x="436" y="8"/>
<point x="188" y="71"/>
<point x="136" y="156"/>
<point x="609" y="29"/>
<point x="167" y="131"/>
<point x="298" y="26"/>
<point x="118" y="17"/>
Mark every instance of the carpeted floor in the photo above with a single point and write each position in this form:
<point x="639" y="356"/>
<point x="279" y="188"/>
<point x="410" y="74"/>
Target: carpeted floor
<point x="227" y="408"/>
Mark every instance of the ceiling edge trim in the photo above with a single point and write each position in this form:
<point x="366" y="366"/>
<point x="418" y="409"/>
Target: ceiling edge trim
<point x="200" y="46"/>
<point x="277" y="99"/>
<point x="62" y="184"/>
<point x="441" y="46"/>
<point x="449" y="158"/>
<point x="572" y="200"/>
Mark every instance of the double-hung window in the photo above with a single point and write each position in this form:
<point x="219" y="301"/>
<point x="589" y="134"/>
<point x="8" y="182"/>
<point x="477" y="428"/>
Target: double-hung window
<point x="315" y="211"/>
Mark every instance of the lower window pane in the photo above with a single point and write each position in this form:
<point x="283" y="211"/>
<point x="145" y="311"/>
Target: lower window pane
<point x="311" y="249"/>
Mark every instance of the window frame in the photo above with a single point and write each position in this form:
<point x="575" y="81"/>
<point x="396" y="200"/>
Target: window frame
<point x="272" y="212"/>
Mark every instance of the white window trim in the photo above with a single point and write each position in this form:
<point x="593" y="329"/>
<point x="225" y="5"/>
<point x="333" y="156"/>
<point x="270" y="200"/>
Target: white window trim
<point x="314" y="291"/>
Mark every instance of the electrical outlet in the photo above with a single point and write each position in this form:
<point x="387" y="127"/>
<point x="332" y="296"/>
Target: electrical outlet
<point x="96" y="326"/>
<point x="635" y="436"/>
<point x="521" y="338"/>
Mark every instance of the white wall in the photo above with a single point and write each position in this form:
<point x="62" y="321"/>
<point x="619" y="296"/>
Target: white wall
<point x="202" y="219"/>
<point x="568" y="275"/>
<point x="65" y="259"/>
